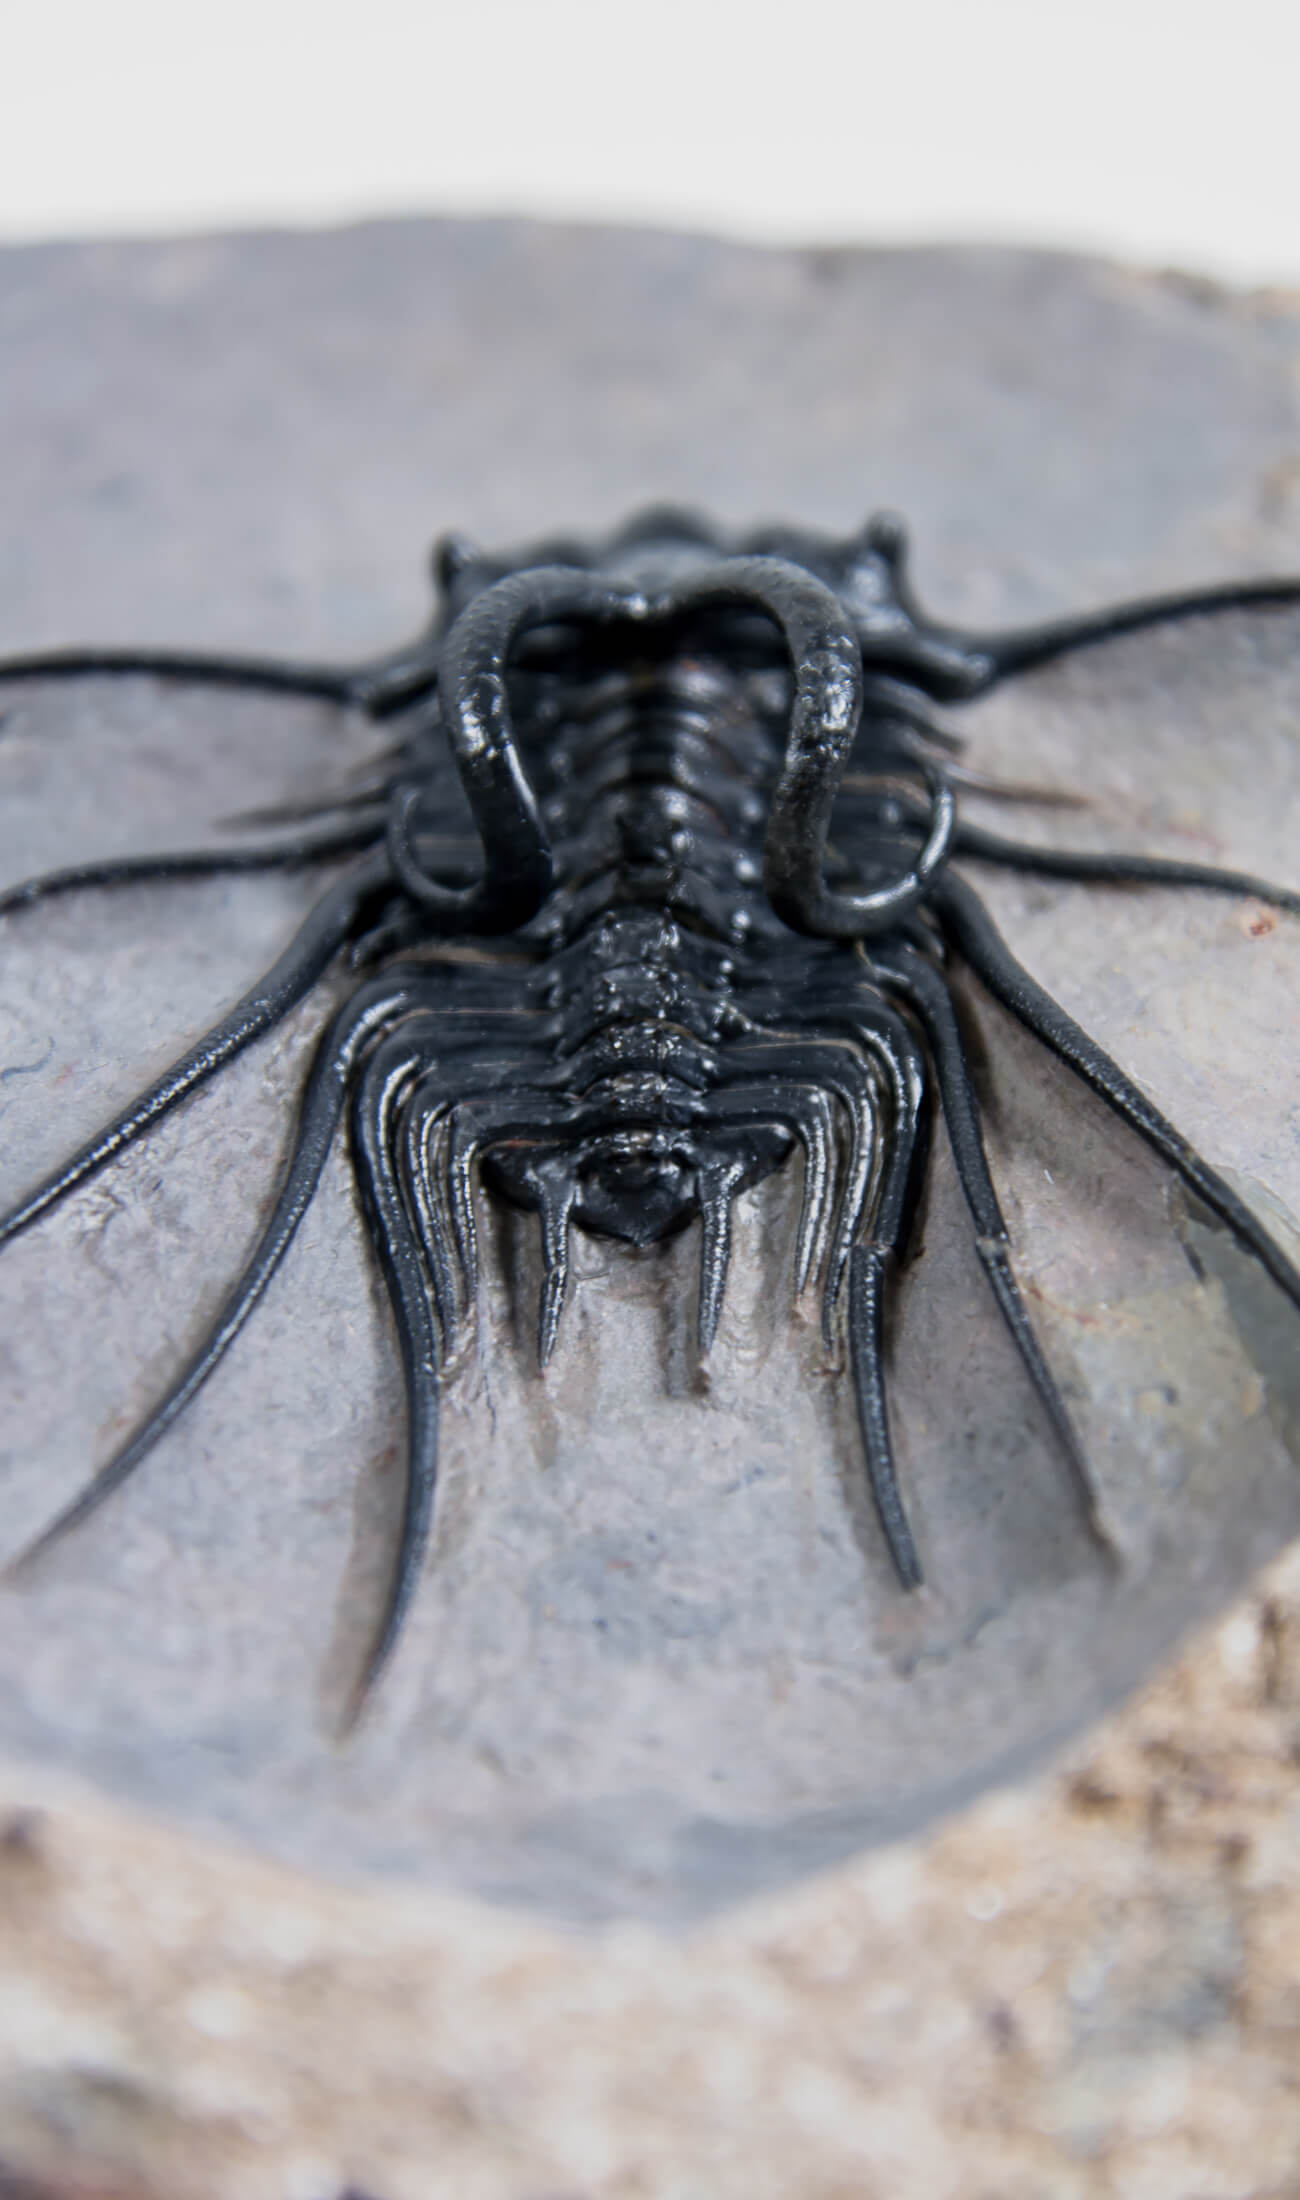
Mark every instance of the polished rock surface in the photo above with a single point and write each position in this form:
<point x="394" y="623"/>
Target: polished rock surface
<point x="659" y="1662"/>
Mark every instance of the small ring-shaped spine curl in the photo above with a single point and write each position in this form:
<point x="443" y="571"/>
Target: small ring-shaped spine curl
<point x="827" y="659"/>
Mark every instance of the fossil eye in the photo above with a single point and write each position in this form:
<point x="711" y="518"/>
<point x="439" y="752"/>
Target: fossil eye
<point x="452" y="556"/>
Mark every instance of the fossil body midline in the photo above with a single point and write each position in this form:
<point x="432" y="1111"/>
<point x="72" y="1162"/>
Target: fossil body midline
<point x="696" y="805"/>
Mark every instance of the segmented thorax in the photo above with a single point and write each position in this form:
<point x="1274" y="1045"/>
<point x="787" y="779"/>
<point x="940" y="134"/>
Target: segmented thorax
<point x="653" y="758"/>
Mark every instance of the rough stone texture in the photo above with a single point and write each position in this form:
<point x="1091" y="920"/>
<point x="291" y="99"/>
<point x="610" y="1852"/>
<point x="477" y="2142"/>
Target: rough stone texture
<point x="1085" y="1990"/>
<point x="659" y="1662"/>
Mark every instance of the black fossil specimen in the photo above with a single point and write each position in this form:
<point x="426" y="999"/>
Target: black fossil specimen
<point x="693" y="804"/>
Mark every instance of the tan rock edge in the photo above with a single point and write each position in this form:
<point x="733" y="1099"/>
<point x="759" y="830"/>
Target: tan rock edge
<point x="1091" y="1986"/>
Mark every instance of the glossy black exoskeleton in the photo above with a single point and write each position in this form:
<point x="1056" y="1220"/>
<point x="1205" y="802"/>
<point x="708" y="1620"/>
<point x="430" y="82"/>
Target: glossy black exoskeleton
<point x="616" y="767"/>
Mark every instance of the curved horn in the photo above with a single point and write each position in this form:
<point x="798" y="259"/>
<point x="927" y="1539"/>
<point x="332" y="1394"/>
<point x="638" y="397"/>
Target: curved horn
<point x="518" y="869"/>
<point x="827" y="659"/>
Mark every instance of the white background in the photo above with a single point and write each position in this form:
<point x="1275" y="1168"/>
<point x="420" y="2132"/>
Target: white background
<point x="1163" y="132"/>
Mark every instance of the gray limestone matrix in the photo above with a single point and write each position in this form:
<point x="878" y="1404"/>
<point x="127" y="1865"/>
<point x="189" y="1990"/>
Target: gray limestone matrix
<point x="654" y="997"/>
